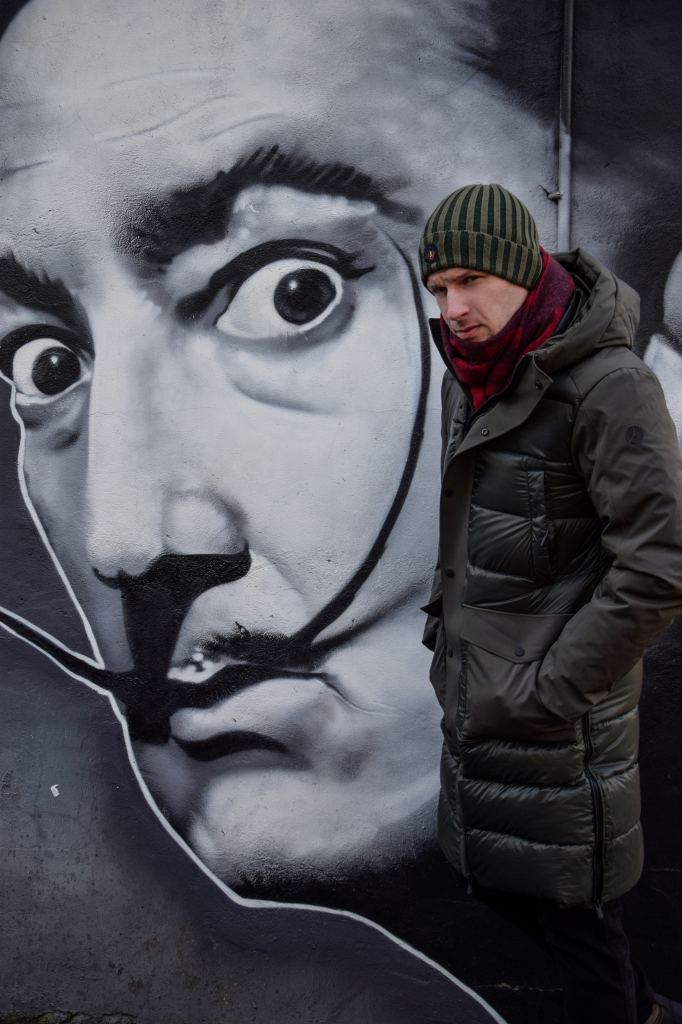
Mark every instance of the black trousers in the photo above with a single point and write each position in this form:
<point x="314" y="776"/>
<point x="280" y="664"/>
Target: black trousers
<point x="601" y="982"/>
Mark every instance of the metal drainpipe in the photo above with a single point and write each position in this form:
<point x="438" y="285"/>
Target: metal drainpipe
<point x="565" y="171"/>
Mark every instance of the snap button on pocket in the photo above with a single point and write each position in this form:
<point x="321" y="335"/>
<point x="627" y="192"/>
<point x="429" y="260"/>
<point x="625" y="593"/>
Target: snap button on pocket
<point x="519" y="652"/>
<point x="449" y="573"/>
<point x="485" y="431"/>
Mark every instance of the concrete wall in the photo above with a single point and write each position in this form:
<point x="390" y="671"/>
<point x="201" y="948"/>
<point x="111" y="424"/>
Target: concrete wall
<point x="219" y="468"/>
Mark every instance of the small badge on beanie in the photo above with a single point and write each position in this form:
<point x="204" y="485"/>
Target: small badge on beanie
<point x="430" y="253"/>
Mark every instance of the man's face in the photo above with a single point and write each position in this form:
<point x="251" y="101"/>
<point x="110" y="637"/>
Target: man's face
<point x="217" y="354"/>
<point x="474" y="305"/>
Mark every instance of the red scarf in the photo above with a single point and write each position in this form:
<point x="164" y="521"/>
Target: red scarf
<point x="486" y="367"/>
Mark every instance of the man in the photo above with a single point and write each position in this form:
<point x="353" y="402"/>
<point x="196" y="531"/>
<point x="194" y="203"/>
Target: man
<point x="560" y="563"/>
<point x="207" y="321"/>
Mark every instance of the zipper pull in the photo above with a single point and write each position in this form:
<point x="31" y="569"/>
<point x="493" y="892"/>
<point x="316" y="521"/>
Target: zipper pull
<point x="470" y="887"/>
<point x="599" y="909"/>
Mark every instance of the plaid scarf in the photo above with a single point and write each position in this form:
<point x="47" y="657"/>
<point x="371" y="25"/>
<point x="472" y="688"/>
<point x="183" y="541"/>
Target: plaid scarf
<point x="486" y="367"/>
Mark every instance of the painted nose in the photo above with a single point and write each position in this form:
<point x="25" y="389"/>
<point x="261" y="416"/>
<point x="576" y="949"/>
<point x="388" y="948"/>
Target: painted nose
<point x="146" y="492"/>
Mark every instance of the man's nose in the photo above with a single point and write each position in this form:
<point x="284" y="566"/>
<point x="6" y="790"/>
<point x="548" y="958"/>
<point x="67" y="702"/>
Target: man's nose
<point x="146" y="493"/>
<point x="455" y="305"/>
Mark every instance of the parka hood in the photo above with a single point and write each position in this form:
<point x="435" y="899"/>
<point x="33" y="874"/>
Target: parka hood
<point x="608" y="313"/>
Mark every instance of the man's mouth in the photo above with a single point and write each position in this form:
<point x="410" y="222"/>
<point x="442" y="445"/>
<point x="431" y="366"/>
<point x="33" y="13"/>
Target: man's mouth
<point x="467" y="332"/>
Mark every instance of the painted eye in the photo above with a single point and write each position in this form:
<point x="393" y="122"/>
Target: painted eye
<point x="44" y="367"/>
<point x="303" y="295"/>
<point x="284" y="298"/>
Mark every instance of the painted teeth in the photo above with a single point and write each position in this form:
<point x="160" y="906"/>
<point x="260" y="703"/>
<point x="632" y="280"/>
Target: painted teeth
<point x="197" y="667"/>
<point x="197" y="659"/>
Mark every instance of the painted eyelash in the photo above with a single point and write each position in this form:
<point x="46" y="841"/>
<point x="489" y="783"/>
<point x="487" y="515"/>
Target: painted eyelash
<point x="233" y="275"/>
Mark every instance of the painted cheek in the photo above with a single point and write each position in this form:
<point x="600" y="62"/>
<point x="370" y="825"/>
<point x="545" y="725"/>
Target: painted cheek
<point x="54" y="463"/>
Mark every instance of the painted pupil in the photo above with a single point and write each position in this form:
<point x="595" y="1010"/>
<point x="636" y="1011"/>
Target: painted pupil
<point x="55" y="370"/>
<point x="302" y="295"/>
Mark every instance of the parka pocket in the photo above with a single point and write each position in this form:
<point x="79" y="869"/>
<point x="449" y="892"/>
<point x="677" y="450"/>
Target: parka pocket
<point x="504" y="652"/>
<point x="437" y="673"/>
<point x="434" y="617"/>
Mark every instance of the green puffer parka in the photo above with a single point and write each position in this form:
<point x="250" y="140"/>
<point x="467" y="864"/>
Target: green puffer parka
<point x="560" y="562"/>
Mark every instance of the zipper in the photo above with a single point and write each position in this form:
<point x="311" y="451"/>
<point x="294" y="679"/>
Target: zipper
<point x="598" y="810"/>
<point x="461" y="690"/>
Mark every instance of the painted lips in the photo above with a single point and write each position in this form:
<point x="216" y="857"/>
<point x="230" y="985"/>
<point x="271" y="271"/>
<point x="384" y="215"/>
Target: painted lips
<point x="210" y="722"/>
<point x="282" y="717"/>
<point x="225" y="744"/>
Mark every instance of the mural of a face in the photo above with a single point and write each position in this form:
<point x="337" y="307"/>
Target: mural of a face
<point x="664" y="351"/>
<point x="214" y="335"/>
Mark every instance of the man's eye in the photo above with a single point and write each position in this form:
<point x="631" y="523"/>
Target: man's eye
<point x="284" y="298"/>
<point x="43" y="368"/>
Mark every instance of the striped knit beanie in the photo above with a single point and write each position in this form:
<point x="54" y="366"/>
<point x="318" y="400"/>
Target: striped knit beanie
<point x="486" y="228"/>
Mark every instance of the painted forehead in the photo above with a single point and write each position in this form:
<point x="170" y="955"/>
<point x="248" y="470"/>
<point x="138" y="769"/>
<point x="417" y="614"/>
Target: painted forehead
<point x="109" y="42"/>
<point x="130" y="67"/>
<point x="154" y="97"/>
<point x="270" y="192"/>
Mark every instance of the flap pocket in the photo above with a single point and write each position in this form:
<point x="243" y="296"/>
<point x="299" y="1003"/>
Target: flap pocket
<point x="511" y="635"/>
<point x="434" y="607"/>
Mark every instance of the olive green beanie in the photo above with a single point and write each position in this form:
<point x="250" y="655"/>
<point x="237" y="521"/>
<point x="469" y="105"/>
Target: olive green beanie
<point x="486" y="228"/>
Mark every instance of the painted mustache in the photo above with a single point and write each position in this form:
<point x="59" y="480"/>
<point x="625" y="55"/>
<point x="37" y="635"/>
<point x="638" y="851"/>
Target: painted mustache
<point x="154" y="606"/>
<point x="151" y="701"/>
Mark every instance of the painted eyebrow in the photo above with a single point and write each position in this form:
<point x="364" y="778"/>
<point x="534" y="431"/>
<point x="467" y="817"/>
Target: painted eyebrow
<point x="40" y="292"/>
<point x="163" y="228"/>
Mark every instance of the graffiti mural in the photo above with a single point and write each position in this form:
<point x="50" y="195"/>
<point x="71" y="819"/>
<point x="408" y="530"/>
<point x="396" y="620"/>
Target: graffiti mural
<point x="220" y="458"/>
